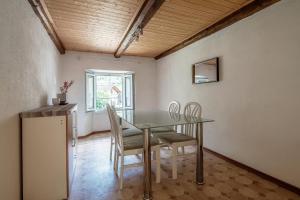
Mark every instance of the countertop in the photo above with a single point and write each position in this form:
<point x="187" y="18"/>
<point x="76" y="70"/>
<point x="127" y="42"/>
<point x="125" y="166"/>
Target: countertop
<point x="49" y="111"/>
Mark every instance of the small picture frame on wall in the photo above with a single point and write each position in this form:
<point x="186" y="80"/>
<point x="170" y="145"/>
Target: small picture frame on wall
<point x="206" y="71"/>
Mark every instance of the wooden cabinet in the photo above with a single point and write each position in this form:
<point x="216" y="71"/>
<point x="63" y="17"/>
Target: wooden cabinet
<point x="49" y="137"/>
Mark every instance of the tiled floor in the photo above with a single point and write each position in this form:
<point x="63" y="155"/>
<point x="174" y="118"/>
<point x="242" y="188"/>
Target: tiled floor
<point x="95" y="179"/>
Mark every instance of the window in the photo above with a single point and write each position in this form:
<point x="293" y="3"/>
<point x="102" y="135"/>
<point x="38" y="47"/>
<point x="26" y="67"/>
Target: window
<point x="103" y="88"/>
<point x="90" y="88"/>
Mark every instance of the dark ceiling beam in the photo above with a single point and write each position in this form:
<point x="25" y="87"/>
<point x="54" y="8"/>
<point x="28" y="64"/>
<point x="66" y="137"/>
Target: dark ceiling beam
<point x="40" y="9"/>
<point x="135" y="27"/>
<point x="236" y="16"/>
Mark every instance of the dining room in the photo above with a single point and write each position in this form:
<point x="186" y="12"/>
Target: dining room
<point x="149" y="99"/>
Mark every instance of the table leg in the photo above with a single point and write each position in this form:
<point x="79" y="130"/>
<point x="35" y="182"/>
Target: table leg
<point x="147" y="165"/>
<point x="199" y="170"/>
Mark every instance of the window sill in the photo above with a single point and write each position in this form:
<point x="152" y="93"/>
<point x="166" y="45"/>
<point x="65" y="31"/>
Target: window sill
<point x="100" y="111"/>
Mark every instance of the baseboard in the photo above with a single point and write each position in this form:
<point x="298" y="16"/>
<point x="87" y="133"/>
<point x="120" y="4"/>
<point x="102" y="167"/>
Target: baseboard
<point x="281" y="183"/>
<point x="93" y="133"/>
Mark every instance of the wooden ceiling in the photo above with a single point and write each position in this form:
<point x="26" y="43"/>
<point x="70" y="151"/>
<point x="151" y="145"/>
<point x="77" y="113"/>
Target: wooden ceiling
<point x="104" y="25"/>
<point x="177" y="20"/>
<point x="92" y="25"/>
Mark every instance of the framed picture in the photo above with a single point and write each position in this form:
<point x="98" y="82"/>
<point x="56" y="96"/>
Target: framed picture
<point x="206" y="71"/>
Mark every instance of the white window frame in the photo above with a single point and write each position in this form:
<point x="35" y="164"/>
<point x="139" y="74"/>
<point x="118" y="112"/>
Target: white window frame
<point x="87" y="76"/>
<point x="124" y="77"/>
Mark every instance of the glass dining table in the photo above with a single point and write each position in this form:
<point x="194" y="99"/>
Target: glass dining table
<point x="146" y="120"/>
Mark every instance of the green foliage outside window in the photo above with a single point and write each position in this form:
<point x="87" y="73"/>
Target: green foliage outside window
<point x="102" y="99"/>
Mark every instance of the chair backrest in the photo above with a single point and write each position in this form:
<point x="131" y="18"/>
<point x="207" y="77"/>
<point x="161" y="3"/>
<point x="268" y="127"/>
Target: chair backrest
<point x="191" y="109"/>
<point x="174" y="107"/>
<point x="174" y="112"/>
<point x="115" y="127"/>
<point x="109" y="112"/>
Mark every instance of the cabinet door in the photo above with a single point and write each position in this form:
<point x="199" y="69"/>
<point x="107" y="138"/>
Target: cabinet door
<point x="44" y="158"/>
<point x="71" y="144"/>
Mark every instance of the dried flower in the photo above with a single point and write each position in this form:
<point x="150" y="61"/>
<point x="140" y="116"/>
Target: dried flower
<point x="66" y="86"/>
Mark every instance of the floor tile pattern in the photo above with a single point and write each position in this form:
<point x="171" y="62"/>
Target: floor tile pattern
<point x="95" y="178"/>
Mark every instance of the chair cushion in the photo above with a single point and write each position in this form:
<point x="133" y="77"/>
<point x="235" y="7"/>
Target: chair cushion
<point x="172" y="137"/>
<point x="131" y="132"/>
<point x="162" y="129"/>
<point x="137" y="142"/>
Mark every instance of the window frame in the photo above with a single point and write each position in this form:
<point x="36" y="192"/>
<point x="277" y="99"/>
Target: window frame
<point x="90" y="74"/>
<point x="132" y="102"/>
<point x="123" y="75"/>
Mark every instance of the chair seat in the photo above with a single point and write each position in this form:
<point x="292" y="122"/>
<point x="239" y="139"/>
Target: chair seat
<point x="162" y="129"/>
<point x="131" y="132"/>
<point x="137" y="142"/>
<point x="172" y="137"/>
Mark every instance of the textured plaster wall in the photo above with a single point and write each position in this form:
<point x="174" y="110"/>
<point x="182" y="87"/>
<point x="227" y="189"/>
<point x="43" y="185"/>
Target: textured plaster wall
<point x="74" y="65"/>
<point x="28" y="77"/>
<point x="256" y="105"/>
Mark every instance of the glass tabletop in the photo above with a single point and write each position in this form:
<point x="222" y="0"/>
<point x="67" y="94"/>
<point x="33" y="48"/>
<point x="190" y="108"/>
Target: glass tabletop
<point x="157" y="118"/>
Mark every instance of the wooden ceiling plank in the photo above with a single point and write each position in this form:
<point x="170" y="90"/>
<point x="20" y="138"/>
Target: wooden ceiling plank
<point x="184" y="21"/>
<point x="40" y="9"/>
<point x="206" y="5"/>
<point x="240" y="2"/>
<point x="91" y="9"/>
<point x="62" y="21"/>
<point x="95" y="3"/>
<point x="58" y="15"/>
<point x="225" y="3"/>
<point x="88" y="13"/>
<point x="145" y="13"/>
<point x="89" y="3"/>
<point x="183" y="17"/>
<point x="183" y="25"/>
<point x="171" y="9"/>
<point x="242" y="13"/>
<point x="94" y="24"/>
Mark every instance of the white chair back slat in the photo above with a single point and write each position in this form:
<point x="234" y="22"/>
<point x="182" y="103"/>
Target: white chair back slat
<point x="174" y="107"/>
<point x="116" y="128"/>
<point x="109" y="110"/>
<point x="191" y="109"/>
<point x="174" y="111"/>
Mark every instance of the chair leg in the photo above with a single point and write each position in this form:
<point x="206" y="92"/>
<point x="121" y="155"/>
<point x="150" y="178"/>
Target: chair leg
<point x="182" y="149"/>
<point x="111" y="147"/>
<point x="174" y="162"/>
<point x="154" y="155"/>
<point x="122" y="172"/>
<point x="157" y="156"/>
<point x="116" y="162"/>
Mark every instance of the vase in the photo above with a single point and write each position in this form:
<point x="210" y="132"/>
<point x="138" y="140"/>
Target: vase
<point x="55" y="101"/>
<point x="63" y="98"/>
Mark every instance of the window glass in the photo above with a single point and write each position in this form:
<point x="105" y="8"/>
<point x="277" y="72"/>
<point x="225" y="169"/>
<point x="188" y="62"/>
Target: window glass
<point x="128" y="91"/>
<point x="109" y="88"/>
<point x="90" y="92"/>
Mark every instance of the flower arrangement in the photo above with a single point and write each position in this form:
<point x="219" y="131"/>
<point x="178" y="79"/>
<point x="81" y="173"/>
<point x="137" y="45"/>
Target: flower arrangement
<point x="66" y="86"/>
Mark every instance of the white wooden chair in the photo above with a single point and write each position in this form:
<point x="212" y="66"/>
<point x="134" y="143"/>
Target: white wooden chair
<point x="192" y="109"/>
<point x="127" y="132"/>
<point x="174" y="108"/>
<point x="133" y="145"/>
<point x="186" y="138"/>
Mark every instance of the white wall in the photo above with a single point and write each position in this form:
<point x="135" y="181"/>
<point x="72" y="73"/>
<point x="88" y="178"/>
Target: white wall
<point x="74" y="65"/>
<point x="28" y="76"/>
<point x="256" y="105"/>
